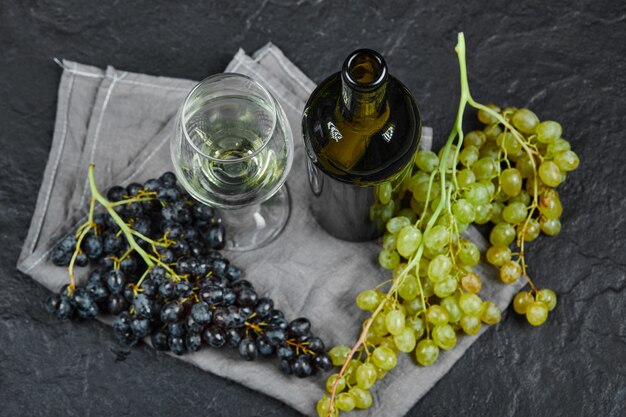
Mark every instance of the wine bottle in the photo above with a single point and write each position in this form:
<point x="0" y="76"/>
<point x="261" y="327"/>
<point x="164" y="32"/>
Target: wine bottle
<point x="361" y="128"/>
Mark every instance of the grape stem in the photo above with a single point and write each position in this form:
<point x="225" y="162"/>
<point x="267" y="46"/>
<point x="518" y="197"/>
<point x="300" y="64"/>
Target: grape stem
<point x="85" y="228"/>
<point x="456" y="131"/>
<point x="116" y="217"/>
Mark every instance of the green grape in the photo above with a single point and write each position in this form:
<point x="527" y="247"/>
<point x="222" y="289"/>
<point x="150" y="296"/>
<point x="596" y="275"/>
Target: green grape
<point x="437" y="237"/>
<point x="487" y="118"/>
<point x="436" y="315"/>
<point x="502" y="234"/>
<point x="420" y="192"/>
<point x="439" y="268"/>
<point x="550" y="205"/>
<point x="525" y="166"/>
<point x="380" y="372"/>
<point x="550" y="227"/>
<point x="345" y="401"/>
<point x="408" y="240"/>
<point x="510" y="272"/>
<point x="491" y="132"/>
<point x="496" y="213"/>
<point x="375" y="212"/>
<point x="330" y="383"/>
<point x="566" y="161"/>
<point x="395" y="322"/>
<point x="426" y="352"/>
<point x="483" y="213"/>
<point x="409" y="214"/>
<point x="388" y="259"/>
<point x="384" y="358"/>
<point x="477" y="194"/>
<point x="368" y="299"/>
<point x="323" y="408"/>
<point x="470" y="324"/>
<point x="399" y="269"/>
<point x="395" y="224"/>
<point x="490" y="186"/>
<point x="490" y="150"/>
<point x="362" y="397"/>
<point x="521" y="301"/>
<point x="422" y="268"/>
<point x="536" y="313"/>
<point x="408" y="288"/>
<point x="475" y="138"/>
<point x="469" y="255"/>
<point x="471" y="282"/>
<point x="531" y="231"/>
<point x="485" y="168"/>
<point x="386" y="212"/>
<point x="525" y="121"/>
<point x="470" y="304"/>
<point x="444" y="336"/>
<point x="523" y="197"/>
<point x="548" y="131"/>
<point x="490" y="313"/>
<point x="385" y="191"/>
<point x="405" y="341"/>
<point x="465" y="177"/>
<point x="515" y="213"/>
<point x="445" y="287"/>
<point x="350" y="374"/>
<point x="462" y="227"/>
<point x="469" y="155"/>
<point x="366" y="375"/>
<point x="509" y="143"/>
<point x="427" y="161"/>
<point x="548" y="297"/>
<point x="451" y="304"/>
<point x="511" y="181"/>
<point x="417" y="325"/>
<point x="427" y="287"/>
<point x="389" y="241"/>
<point x="373" y="338"/>
<point x="451" y="153"/>
<point x="416" y="179"/>
<point x="550" y="173"/>
<point x="464" y="211"/>
<point x="558" y="146"/>
<point x="378" y="325"/>
<point x="338" y="354"/>
<point x="498" y="255"/>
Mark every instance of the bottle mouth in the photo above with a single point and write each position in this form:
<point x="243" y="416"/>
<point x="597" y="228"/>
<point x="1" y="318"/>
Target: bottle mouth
<point x="364" y="70"/>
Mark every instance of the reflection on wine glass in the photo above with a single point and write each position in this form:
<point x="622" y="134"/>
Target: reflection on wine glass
<point x="233" y="149"/>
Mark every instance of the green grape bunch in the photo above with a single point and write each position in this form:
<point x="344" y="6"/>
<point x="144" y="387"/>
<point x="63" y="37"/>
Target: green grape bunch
<point x="506" y="175"/>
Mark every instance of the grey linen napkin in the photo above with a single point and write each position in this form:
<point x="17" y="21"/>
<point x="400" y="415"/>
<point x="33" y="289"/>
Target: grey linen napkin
<point x="122" y="122"/>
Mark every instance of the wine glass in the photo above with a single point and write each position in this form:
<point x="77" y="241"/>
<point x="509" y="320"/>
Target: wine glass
<point x="232" y="150"/>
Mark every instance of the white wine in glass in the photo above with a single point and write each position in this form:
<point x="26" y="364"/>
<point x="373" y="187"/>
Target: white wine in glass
<point x="233" y="149"/>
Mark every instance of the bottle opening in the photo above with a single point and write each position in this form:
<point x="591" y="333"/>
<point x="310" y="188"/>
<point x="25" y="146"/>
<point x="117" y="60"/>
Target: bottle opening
<point x="365" y="70"/>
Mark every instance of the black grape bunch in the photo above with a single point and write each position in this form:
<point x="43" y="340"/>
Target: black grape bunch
<point x="159" y="271"/>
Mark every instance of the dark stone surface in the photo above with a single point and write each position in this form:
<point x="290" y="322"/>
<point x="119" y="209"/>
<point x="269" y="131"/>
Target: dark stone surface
<point x="563" y="59"/>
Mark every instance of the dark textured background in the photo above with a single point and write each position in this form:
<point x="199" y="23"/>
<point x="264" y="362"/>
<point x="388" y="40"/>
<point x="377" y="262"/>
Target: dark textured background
<point x="563" y="59"/>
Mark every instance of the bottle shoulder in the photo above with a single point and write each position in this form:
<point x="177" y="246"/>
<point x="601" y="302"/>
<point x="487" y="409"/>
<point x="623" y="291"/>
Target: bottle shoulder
<point x="387" y="148"/>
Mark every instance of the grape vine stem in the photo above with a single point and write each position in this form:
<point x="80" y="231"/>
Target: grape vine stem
<point x="456" y="131"/>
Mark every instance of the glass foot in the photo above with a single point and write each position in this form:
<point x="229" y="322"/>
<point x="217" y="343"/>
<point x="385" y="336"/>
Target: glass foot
<point x="255" y="226"/>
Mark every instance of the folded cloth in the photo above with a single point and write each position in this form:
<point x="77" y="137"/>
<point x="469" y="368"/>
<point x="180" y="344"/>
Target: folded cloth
<point x="122" y="122"/>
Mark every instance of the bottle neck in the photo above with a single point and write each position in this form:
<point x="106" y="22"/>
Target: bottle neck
<point x="363" y="86"/>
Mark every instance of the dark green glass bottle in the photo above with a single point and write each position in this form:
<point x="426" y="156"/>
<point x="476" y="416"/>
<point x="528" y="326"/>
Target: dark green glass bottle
<point x="361" y="128"/>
